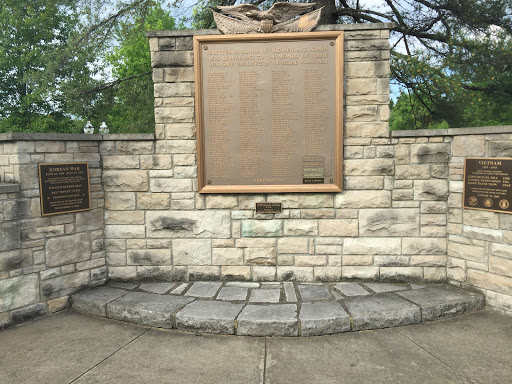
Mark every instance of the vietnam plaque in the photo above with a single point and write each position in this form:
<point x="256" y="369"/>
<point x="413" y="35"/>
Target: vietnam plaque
<point x="269" y="112"/>
<point x="487" y="184"/>
<point x="64" y="188"/>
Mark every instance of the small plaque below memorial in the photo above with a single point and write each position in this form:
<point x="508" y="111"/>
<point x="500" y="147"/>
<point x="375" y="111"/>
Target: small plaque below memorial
<point x="64" y="188"/>
<point x="487" y="184"/>
<point x="269" y="208"/>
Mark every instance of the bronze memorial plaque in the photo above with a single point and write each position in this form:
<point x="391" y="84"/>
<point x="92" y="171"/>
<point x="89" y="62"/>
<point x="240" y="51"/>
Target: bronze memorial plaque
<point x="269" y="112"/>
<point x="487" y="184"/>
<point x="269" y="208"/>
<point x="64" y="188"/>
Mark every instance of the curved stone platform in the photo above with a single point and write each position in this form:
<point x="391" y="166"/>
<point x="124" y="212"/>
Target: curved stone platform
<point x="275" y="308"/>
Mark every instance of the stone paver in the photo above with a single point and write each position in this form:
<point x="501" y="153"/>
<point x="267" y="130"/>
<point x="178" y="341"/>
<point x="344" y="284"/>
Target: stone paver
<point x="205" y="289"/>
<point x="323" y="318"/>
<point x="268" y="320"/>
<point x="265" y="295"/>
<point x="242" y="284"/>
<point x="289" y="291"/>
<point x="95" y="301"/>
<point x="382" y="311"/>
<point x="232" y="294"/>
<point x="310" y="292"/>
<point x="156" y="287"/>
<point x="278" y="308"/>
<point x="351" y="289"/>
<point x="440" y="302"/>
<point x="209" y="316"/>
<point x="386" y="287"/>
<point x="123" y="285"/>
<point x="179" y="289"/>
<point x="146" y="308"/>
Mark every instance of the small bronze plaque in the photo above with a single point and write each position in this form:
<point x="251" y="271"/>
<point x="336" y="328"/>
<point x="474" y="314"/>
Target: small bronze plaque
<point x="269" y="208"/>
<point x="487" y="184"/>
<point x="64" y="188"/>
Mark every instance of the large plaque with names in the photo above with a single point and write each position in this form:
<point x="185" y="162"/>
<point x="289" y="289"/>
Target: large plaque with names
<point x="64" y="188"/>
<point x="269" y="112"/>
<point x="487" y="184"/>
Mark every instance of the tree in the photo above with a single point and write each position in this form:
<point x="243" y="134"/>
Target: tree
<point x="31" y="72"/>
<point x="131" y="93"/>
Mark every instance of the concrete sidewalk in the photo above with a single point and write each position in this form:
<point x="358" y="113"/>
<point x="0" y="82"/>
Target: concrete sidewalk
<point x="75" y="348"/>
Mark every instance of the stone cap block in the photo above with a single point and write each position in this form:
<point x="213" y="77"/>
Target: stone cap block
<point x="452" y="131"/>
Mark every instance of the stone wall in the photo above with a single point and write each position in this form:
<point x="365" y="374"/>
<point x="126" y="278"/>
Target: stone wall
<point x="45" y="259"/>
<point x="479" y="242"/>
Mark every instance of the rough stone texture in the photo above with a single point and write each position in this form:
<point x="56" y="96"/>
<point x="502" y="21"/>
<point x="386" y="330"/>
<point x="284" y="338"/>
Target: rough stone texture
<point x="159" y="288"/>
<point x="382" y="311"/>
<point x="11" y="236"/>
<point x="385" y="287"/>
<point x="268" y="320"/>
<point x="222" y="313"/>
<point x="68" y="249"/>
<point x="265" y="296"/>
<point x="18" y="292"/>
<point x="389" y="222"/>
<point x="256" y="228"/>
<point x="441" y="302"/>
<point x="313" y="292"/>
<point x="209" y="316"/>
<point x="203" y="289"/>
<point x="192" y="252"/>
<point x="323" y="318"/>
<point x="232" y="293"/>
<point x="146" y="308"/>
<point x="351" y="289"/>
<point x="197" y="224"/>
<point x="95" y="301"/>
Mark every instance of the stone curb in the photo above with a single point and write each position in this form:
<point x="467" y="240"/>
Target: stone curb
<point x="314" y="309"/>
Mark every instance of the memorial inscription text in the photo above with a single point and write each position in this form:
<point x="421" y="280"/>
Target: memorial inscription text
<point x="487" y="184"/>
<point x="64" y="187"/>
<point x="269" y="112"/>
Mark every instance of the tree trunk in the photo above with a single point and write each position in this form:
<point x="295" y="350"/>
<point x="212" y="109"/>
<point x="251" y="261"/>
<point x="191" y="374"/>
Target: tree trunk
<point x="328" y="16"/>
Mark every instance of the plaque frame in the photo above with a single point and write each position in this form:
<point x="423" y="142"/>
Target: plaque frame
<point x="337" y="185"/>
<point x="41" y="194"/>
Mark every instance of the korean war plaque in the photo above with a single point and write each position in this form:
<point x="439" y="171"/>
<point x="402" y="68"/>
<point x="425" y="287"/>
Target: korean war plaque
<point x="269" y="112"/>
<point x="64" y="188"/>
<point x="487" y="184"/>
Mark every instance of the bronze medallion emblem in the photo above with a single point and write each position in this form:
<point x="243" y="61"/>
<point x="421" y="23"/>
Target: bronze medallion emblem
<point x="488" y="202"/>
<point x="504" y="204"/>
<point x="473" y="200"/>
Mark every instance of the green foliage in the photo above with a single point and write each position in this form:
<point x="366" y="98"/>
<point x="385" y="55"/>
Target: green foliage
<point x="469" y="85"/>
<point x="35" y="64"/>
<point x="131" y="102"/>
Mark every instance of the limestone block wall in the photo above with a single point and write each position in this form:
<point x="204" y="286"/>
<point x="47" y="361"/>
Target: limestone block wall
<point x="479" y="242"/>
<point x="45" y="259"/>
<point x="379" y="228"/>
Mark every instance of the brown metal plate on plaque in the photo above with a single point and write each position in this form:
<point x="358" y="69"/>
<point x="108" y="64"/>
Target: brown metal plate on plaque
<point x="269" y="208"/>
<point x="269" y="112"/>
<point x="487" y="184"/>
<point x="64" y="188"/>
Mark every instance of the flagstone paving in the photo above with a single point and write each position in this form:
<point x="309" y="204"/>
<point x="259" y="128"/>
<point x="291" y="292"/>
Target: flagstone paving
<point x="275" y="308"/>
